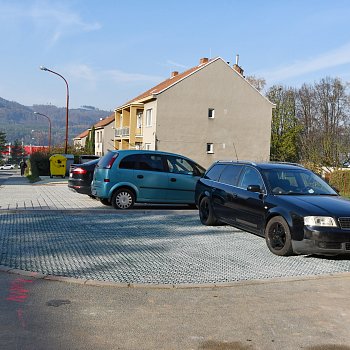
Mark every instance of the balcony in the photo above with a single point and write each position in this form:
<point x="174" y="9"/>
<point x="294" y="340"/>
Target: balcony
<point x="122" y="132"/>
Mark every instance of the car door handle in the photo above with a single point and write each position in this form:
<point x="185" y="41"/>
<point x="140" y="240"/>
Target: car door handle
<point x="231" y="196"/>
<point x="173" y="179"/>
<point x="140" y="176"/>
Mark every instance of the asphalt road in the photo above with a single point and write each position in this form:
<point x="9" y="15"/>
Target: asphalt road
<point x="272" y="315"/>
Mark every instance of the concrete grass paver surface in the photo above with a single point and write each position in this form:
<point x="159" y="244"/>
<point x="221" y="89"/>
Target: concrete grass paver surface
<point x="145" y="247"/>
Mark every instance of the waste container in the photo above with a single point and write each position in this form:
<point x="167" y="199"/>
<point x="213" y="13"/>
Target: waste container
<point x="58" y="165"/>
<point x="69" y="162"/>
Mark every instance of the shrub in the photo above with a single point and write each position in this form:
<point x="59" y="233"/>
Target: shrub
<point x="340" y="179"/>
<point x="40" y="164"/>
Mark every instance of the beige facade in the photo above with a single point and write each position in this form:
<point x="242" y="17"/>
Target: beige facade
<point x="104" y="136"/>
<point x="208" y="113"/>
<point x="80" y="140"/>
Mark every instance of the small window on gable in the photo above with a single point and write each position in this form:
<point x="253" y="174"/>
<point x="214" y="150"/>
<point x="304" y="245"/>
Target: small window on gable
<point x="211" y="113"/>
<point x="210" y="148"/>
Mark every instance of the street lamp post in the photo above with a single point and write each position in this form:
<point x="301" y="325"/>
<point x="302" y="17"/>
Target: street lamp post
<point x="51" y="71"/>
<point x="37" y="113"/>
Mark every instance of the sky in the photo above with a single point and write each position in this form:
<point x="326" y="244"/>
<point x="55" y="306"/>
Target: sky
<point x="110" y="51"/>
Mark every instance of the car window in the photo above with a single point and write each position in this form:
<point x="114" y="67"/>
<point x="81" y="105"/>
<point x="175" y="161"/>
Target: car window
<point x="106" y="159"/>
<point x="150" y="162"/>
<point x="251" y="176"/>
<point x="230" y="174"/>
<point x="180" y="165"/>
<point x="296" y="181"/>
<point x="129" y="162"/>
<point x="214" y="172"/>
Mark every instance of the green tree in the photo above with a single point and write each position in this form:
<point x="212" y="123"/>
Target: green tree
<point x="17" y="152"/>
<point x="2" y="144"/>
<point x="90" y="142"/>
<point x="285" y="127"/>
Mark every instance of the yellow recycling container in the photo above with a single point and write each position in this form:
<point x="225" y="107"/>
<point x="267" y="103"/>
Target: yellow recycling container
<point x="58" y="165"/>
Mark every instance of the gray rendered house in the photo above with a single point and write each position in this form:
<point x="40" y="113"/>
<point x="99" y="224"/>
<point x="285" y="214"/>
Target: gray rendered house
<point x="208" y="113"/>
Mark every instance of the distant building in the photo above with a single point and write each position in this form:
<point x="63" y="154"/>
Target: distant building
<point x="104" y="135"/>
<point x="80" y="140"/>
<point x="28" y="150"/>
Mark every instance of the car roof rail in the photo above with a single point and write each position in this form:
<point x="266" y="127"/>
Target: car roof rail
<point x="288" y="163"/>
<point x="249" y="162"/>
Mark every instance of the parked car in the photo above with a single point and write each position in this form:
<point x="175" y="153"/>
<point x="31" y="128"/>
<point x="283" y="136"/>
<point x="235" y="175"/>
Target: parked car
<point x="126" y="177"/>
<point x="80" y="177"/>
<point x="293" y="208"/>
<point x="84" y="158"/>
<point x="7" y="167"/>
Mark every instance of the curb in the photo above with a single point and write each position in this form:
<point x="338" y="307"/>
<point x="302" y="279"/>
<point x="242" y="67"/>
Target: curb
<point x="96" y="283"/>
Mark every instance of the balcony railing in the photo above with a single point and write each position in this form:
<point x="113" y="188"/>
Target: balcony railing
<point x="121" y="132"/>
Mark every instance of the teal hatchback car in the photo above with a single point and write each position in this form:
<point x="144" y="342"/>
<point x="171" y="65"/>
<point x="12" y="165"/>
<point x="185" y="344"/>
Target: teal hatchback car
<point x="125" y="177"/>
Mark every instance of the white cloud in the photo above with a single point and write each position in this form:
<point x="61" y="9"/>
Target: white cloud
<point x="52" y="18"/>
<point x="175" y="64"/>
<point x="85" y="72"/>
<point x="326" y="60"/>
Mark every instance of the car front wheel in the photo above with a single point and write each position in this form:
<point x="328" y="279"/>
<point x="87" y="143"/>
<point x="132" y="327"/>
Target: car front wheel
<point x="206" y="213"/>
<point x="123" y="199"/>
<point x="278" y="237"/>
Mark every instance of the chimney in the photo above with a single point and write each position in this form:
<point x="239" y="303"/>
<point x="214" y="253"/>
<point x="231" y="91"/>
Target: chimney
<point x="236" y="67"/>
<point x="203" y="60"/>
<point x="174" y="74"/>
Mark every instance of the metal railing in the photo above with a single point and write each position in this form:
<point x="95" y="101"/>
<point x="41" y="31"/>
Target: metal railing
<point x="121" y="132"/>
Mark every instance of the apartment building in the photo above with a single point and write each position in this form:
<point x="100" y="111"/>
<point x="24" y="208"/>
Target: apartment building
<point x="209" y="112"/>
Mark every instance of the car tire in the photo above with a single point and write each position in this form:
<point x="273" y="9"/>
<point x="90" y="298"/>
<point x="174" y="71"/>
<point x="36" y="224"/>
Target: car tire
<point x="278" y="237"/>
<point x="123" y="199"/>
<point x="105" y="201"/>
<point x="206" y="213"/>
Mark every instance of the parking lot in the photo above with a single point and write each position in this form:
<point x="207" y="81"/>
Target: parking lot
<point x="76" y="236"/>
<point x="195" y="287"/>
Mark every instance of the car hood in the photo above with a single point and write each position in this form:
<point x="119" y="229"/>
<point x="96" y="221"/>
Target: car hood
<point x="320" y="205"/>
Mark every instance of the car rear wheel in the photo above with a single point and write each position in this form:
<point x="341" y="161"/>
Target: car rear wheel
<point x="206" y="213"/>
<point x="123" y="199"/>
<point x="278" y="237"/>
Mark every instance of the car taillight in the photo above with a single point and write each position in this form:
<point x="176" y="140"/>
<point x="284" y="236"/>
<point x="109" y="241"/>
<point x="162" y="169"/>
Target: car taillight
<point x="112" y="161"/>
<point x="80" y="171"/>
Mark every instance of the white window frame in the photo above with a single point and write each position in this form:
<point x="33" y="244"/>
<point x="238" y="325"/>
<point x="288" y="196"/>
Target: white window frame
<point x="148" y="121"/>
<point x="147" y="146"/>
<point x="210" y="148"/>
<point x="211" y="113"/>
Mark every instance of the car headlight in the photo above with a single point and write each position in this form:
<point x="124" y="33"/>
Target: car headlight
<point x="319" y="221"/>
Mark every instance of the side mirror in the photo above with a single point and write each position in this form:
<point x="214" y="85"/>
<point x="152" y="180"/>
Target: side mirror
<point x="254" y="188"/>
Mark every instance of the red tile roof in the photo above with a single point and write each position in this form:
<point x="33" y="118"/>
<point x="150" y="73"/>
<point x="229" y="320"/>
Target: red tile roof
<point x="105" y="121"/>
<point x="82" y="135"/>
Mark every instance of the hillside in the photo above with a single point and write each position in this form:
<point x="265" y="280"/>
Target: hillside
<point x="20" y="122"/>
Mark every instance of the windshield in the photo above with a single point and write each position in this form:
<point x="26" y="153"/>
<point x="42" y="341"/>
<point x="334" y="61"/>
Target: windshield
<point x="296" y="182"/>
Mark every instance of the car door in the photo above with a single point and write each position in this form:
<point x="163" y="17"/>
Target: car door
<point x="150" y="178"/>
<point x="250" y="205"/>
<point x="224" y="194"/>
<point x="183" y="175"/>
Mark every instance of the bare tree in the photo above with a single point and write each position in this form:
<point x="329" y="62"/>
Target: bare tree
<point x="323" y="110"/>
<point x="258" y="83"/>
